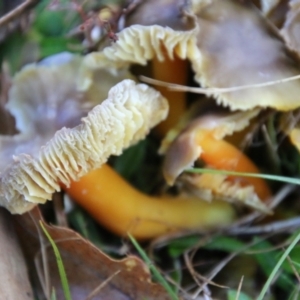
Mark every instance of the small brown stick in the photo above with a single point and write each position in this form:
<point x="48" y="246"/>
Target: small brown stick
<point x="279" y="226"/>
<point x="239" y="288"/>
<point x="276" y="200"/>
<point x="223" y="263"/>
<point x="199" y="279"/>
<point x="43" y="267"/>
<point x="60" y="214"/>
<point x="16" y="12"/>
<point x="215" y="271"/>
<point x="210" y="91"/>
<point x="101" y="286"/>
<point x="291" y="263"/>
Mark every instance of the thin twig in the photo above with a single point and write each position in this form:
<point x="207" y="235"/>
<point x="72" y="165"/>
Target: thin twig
<point x="16" y="12"/>
<point x="275" y="201"/>
<point x="45" y="278"/>
<point x="224" y="262"/>
<point x="210" y="91"/>
<point x="291" y="263"/>
<point x="101" y="286"/>
<point x="239" y="288"/>
<point x="216" y="270"/>
<point x="279" y="226"/>
<point x="59" y="210"/>
<point x="199" y="279"/>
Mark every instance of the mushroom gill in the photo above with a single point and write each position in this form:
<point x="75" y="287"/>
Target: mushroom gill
<point x="45" y="153"/>
<point x="228" y="43"/>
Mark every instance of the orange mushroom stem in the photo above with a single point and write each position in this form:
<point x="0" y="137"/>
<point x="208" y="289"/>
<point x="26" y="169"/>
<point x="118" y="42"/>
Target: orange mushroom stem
<point x="222" y="155"/>
<point x="123" y="209"/>
<point x="205" y="143"/>
<point x="175" y="71"/>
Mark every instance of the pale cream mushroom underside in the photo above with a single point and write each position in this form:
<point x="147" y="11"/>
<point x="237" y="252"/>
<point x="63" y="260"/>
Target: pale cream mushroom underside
<point x="231" y="45"/>
<point x="42" y="161"/>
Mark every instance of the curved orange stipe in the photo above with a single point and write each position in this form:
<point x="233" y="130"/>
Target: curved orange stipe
<point x="122" y="209"/>
<point x="222" y="155"/>
<point x="174" y="71"/>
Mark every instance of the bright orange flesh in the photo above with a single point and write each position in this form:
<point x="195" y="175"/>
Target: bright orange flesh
<point x="173" y="71"/>
<point x="221" y="155"/>
<point x="123" y="209"/>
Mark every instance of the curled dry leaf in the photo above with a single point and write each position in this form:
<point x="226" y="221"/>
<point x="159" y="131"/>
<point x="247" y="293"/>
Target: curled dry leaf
<point x="290" y="30"/>
<point x="86" y="266"/>
<point x="44" y="157"/>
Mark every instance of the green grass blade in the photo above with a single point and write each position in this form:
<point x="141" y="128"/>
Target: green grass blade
<point x="234" y="295"/>
<point x="60" y="265"/>
<point x="256" y="175"/>
<point x="53" y="294"/>
<point x="156" y="274"/>
<point x="276" y="268"/>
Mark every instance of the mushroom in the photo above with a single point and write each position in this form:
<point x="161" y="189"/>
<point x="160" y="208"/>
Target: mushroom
<point x="45" y="98"/>
<point x="218" y="46"/>
<point x="204" y="139"/>
<point x="170" y="69"/>
<point x="217" y="43"/>
<point x="166" y="47"/>
<point x="47" y="158"/>
<point x="216" y="31"/>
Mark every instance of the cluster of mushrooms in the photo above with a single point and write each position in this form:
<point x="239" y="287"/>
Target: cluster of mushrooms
<point x="73" y="112"/>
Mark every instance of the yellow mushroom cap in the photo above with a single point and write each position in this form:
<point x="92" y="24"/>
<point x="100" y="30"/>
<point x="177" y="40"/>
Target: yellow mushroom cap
<point x="37" y="160"/>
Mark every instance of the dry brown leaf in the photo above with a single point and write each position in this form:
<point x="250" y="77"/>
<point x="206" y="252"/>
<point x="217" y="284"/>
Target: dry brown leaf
<point x="7" y="121"/>
<point x="14" y="281"/>
<point x="160" y="12"/>
<point x="86" y="266"/>
<point x="290" y="30"/>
